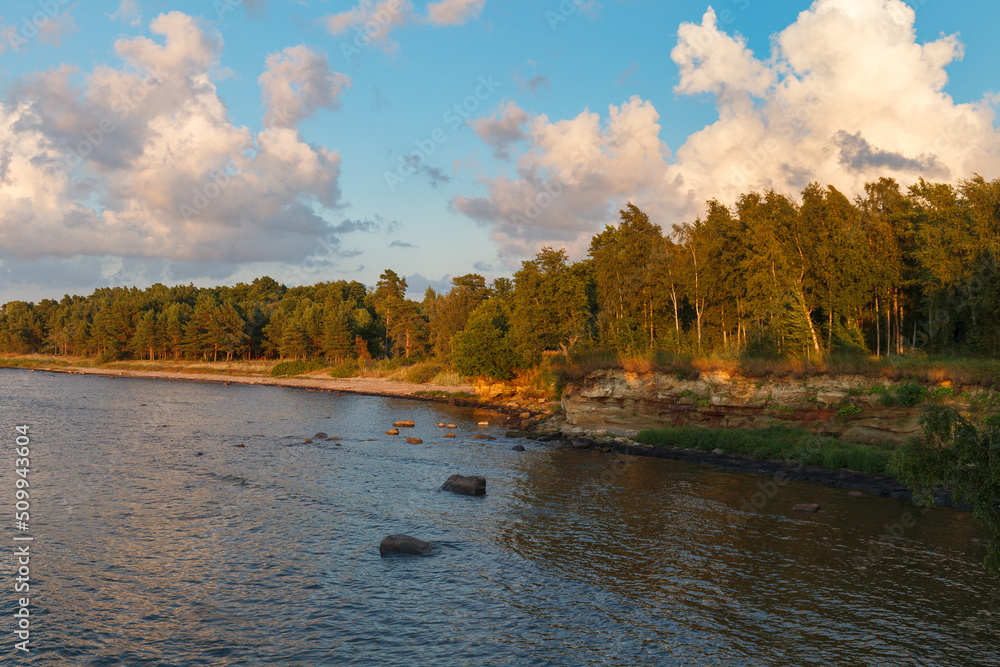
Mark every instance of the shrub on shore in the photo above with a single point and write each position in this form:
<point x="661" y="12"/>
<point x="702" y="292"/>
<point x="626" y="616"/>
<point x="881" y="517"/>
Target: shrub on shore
<point x="348" y="369"/>
<point x="423" y="373"/>
<point x="961" y="456"/>
<point x="295" y="367"/>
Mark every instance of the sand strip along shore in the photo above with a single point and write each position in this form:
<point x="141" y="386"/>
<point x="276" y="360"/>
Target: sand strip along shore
<point x="366" y="386"/>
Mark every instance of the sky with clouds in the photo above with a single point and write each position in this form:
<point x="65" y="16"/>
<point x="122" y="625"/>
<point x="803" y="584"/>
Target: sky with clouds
<point x="212" y="142"/>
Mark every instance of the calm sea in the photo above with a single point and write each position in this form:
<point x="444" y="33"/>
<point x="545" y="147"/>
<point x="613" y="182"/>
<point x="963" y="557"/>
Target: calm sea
<point x="159" y="541"/>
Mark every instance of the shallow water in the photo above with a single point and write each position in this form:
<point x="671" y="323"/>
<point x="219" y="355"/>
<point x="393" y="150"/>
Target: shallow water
<point x="147" y="553"/>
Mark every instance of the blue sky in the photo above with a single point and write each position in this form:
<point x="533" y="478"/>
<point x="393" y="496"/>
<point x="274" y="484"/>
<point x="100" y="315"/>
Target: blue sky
<point x="582" y="106"/>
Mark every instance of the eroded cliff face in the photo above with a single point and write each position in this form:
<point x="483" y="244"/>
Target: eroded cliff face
<point x="851" y="407"/>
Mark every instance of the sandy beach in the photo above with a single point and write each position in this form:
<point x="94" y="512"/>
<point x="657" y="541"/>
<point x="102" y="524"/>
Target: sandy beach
<point x="367" y="386"/>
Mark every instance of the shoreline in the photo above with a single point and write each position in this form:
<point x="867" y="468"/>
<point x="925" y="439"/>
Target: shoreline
<point x="547" y="430"/>
<point x="380" y="387"/>
<point x="879" y="486"/>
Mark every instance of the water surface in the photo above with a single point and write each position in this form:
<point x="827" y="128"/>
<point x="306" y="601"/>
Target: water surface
<point x="160" y="542"/>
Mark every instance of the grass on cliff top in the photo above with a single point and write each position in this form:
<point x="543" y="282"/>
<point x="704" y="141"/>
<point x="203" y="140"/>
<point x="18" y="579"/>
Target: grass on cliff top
<point x="922" y="368"/>
<point x="775" y="442"/>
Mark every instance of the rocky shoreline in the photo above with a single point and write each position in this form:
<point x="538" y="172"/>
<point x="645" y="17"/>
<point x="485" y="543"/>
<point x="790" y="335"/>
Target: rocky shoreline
<point x="556" y="432"/>
<point x="530" y="422"/>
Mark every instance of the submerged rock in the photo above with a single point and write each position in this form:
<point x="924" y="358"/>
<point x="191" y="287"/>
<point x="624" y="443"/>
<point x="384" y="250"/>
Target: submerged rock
<point x="404" y="545"/>
<point x="407" y="423"/>
<point x="415" y="441"/>
<point x="469" y="486"/>
<point x="320" y="435"/>
<point x="806" y="507"/>
<point x="518" y="448"/>
<point x="449" y="435"/>
<point x="481" y="436"/>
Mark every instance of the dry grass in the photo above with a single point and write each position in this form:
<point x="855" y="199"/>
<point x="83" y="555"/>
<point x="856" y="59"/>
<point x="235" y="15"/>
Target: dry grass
<point x="916" y="368"/>
<point x="448" y="379"/>
<point x="242" y="368"/>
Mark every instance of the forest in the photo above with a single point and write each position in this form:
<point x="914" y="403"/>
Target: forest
<point x="890" y="272"/>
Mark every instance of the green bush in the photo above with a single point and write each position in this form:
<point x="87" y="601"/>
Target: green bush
<point x="888" y="398"/>
<point x="348" y="369"/>
<point x="910" y="394"/>
<point x="849" y="410"/>
<point x="962" y="456"/>
<point x="423" y="373"/>
<point x="295" y="367"/>
<point x="486" y="348"/>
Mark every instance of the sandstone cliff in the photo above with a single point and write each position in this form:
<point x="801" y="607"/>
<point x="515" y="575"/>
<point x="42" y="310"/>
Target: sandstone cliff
<point x="853" y="408"/>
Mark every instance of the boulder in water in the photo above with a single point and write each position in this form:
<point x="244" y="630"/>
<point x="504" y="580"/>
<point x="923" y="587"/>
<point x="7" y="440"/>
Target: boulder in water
<point x="451" y="426"/>
<point x="415" y="441"/>
<point x="404" y="545"/>
<point x="473" y="485"/>
<point x="406" y="423"/>
<point x="320" y="435"/>
<point x="449" y="435"/>
<point x="806" y="507"/>
<point x="481" y="436"/>
<point x="518" y="448"/>
<point x="392" y="431"/>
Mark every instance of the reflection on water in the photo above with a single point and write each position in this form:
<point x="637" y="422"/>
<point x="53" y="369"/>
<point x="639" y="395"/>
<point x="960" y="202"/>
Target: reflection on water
<point x="161" y="542"/>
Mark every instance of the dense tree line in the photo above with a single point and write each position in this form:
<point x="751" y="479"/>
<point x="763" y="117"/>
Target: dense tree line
<point x="889" y="272"/>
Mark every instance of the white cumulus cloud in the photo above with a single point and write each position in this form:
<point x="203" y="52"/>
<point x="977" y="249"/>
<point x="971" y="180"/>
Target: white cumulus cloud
<point x="454" y="12"/>
<point x="846" y="95"/>
<point x="143" y="162"/>
<point x="372" y="21"/>
<point x="298" y="81"/>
